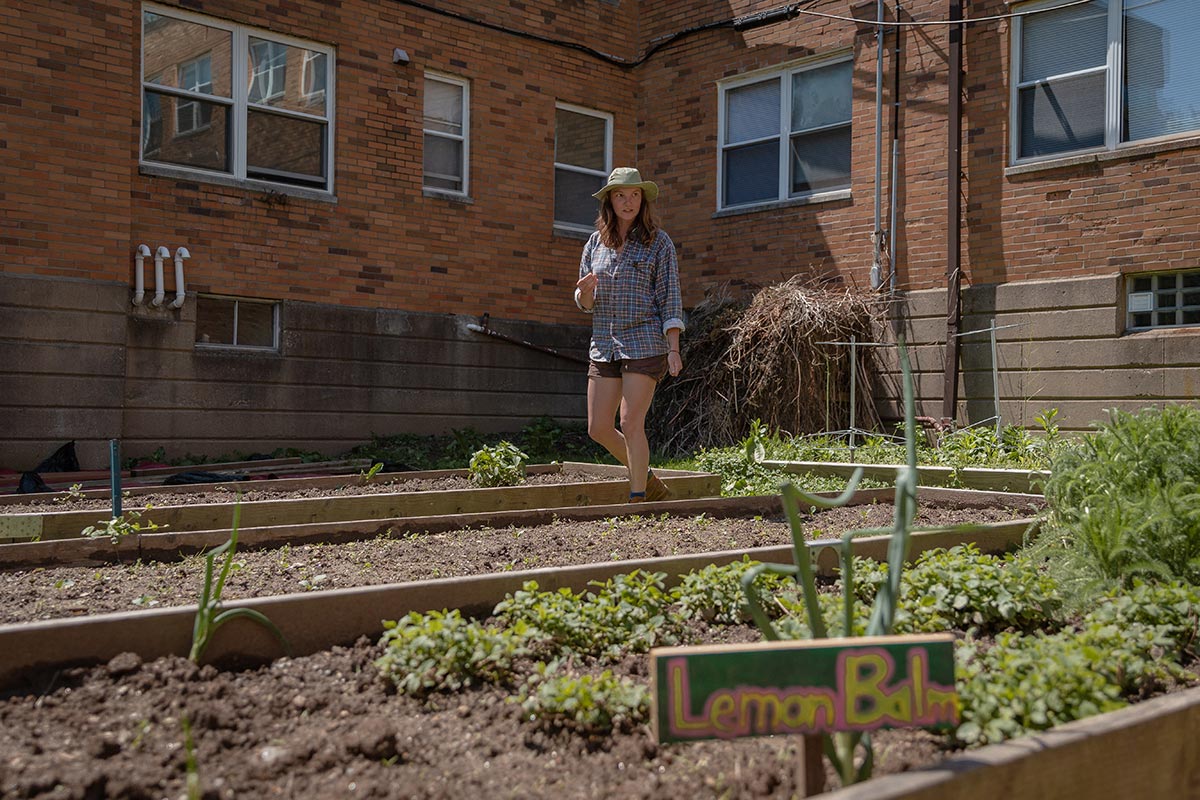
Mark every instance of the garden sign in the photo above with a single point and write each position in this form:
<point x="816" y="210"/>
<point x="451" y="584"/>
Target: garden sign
<point x="805" y="687"/>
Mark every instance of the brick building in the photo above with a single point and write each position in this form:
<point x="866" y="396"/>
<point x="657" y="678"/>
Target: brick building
<point x="354" y="183"/>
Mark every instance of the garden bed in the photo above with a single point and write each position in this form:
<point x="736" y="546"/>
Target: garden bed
<point x="48" y="592"/>
<point x="982" y="478"/>
<point x="340" y="498"/>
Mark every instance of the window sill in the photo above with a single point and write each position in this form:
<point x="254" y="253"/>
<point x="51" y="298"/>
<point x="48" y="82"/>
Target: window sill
<point x="184" y="174"/>
<point x="213" y="349"/>
<point x="572" y="233"/>
<point x="1103" y="156"/>
<point x="443" y="194"/>
<point x="1174" y="330"/>
<point x="807" y="200"/>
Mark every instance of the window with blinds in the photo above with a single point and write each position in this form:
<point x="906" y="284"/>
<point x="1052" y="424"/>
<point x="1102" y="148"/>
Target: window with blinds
<point x="446" y="134"/>
<point x="785" y="134"/>
<point x="1103" y="74"/>
<point x="582" y="161"/>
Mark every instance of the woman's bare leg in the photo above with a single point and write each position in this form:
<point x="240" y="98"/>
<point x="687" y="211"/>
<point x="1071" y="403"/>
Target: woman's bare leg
<point x="637" y="391"/>
<point x="603" y="399"/>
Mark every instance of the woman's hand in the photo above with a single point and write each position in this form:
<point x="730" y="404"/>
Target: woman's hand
<point x="674" y="363"/>
<point x="587" y="289"/>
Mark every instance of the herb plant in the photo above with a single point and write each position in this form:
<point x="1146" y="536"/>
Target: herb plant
<point x="500" y="465"/>
<point x="590" y="705"/>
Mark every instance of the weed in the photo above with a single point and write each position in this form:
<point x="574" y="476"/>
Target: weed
<point x="117" y="528"/>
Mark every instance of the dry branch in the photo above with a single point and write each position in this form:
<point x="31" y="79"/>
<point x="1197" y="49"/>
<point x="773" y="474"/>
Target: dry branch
<point x="767" y="359"/>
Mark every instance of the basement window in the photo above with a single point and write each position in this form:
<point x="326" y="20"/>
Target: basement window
<point x="234" y="322"/>
<point x="1165" y="300"/>
<point x="232" y="103"/>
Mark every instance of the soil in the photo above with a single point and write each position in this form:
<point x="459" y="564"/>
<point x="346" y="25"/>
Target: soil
<point x="55" y="592"/>
<point x="327" y="725"/>
<point x="253" y="490"/>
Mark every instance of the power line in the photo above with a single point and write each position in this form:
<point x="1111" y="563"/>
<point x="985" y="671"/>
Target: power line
<point x="773" y="16"/>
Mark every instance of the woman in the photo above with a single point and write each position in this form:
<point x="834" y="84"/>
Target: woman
<point x="629" y="283"/>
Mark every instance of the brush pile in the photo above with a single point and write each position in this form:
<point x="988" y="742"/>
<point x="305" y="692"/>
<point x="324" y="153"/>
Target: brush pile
<point x="769" y="358"/>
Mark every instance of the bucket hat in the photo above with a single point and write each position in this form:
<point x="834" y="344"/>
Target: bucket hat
<point x="628" y="178"/>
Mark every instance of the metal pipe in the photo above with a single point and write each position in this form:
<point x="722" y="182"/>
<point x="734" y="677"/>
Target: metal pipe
<point x="953" y="212"/>
<point x="114" y="466"/>
<point x="895" y="153"/>
<point x="484" y="329"/>
<point x="877" y="234"/>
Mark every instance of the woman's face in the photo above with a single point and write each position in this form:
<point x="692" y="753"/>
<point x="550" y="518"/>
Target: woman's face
<point x="626" y="203"/>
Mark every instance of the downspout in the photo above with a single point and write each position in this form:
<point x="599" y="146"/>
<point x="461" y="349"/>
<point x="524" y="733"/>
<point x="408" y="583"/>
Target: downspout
<point x="877" y="232"/>
<point x="891" y="249"/>
<point x="159" y="293"/>
<point x="139" y="280"/>
<point x="953" y="213"/>
<point x="180" y="254"/>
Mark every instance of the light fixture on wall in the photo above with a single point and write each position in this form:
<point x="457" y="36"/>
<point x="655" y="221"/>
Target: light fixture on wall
<point x="399" y="56"/>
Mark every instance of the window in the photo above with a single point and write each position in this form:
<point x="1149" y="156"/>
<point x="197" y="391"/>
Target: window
<point x="1167" y="300"/>
<point x="268" y="70"/>
<point x="196" y="77"/>
<point x="234" y="322"/>
<point x="582" y="161"/>
<point x="229" y="108"/>
<point x="786" y="134"/>
<point x="314" y="77"/>
<point x="1103" y="74"/>
<point x="446" y="133"/>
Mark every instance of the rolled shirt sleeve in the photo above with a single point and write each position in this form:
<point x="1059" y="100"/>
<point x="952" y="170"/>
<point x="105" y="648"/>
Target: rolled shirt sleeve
<point x="666" y="288"/>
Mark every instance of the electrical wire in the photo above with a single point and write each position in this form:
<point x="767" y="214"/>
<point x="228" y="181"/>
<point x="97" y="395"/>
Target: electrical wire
<point x="772" y="16"/>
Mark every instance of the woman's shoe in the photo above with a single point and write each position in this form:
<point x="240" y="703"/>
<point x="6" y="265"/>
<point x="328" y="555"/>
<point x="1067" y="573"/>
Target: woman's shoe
<point x="656" y="489"/>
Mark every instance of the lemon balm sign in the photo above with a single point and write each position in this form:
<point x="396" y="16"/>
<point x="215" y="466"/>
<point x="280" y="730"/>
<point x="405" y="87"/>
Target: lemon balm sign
<point x="803" y="687"/>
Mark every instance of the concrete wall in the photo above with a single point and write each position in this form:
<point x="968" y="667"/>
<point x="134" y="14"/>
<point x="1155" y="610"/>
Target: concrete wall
<point x="77" y="366"/>
<point x="1066" y="349"/>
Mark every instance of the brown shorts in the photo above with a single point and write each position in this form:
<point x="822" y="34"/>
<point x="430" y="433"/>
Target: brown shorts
<point x="654" y="366"/>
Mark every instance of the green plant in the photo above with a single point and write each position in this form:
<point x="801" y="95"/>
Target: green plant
<point x="964" y="589"/>
<point x="840" y="748"/>
<point x="1125" y="501"/>
<point x="366" y="476"/>
<point x="441" y="651"/>
<point x="1034" y="682"/>
<point x="189" y="750"/>
<point x="117" y="528"/>
<point x="586" y="704"/>
<point x="627" y="613"/>
<point x="75" y="492"/>
<point x="501" y="465"/>
<point x="209" y="615"/>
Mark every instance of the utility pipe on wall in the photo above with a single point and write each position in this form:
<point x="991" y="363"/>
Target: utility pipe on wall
<point x="180" y="254"/>
<point x="139" y="280"/>
<point x="159" y="293"/>
<point x="877" y="233"/>
<point x="953" y="213"/>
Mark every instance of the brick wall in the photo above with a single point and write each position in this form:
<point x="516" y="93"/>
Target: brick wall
<point x="74" y="203"/>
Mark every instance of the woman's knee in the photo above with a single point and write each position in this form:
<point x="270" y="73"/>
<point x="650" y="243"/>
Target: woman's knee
<point x="599" y="431"/>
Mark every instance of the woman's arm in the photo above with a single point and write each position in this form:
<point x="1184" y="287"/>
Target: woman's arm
<point x="585" y="287"/>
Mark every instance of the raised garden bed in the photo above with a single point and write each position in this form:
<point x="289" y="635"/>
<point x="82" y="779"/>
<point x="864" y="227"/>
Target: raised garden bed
<point x="320" y="724"/>
<point x="337" y="499"/>
<point x="982" y="478"/>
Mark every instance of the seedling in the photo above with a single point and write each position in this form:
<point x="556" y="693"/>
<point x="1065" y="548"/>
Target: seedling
<point x="366" y="476"/>
<point x="119" y="527"/>
<point x="209" y="616"/>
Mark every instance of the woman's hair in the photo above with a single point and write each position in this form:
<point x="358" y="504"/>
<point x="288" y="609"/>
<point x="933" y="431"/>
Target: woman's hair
<point x="644" y="229"/>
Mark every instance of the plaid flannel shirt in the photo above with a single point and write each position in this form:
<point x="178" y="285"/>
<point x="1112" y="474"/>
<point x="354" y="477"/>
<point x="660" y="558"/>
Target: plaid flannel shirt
<point x="637" y="297"/>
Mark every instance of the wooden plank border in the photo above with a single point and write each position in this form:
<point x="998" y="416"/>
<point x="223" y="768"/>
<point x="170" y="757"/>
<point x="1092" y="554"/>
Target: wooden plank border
<point x="997" y="480"/>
